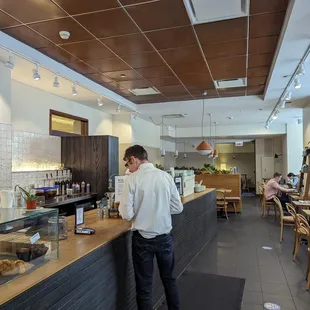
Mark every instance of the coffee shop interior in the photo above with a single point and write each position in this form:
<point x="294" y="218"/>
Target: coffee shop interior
<point x="217" y="92"/>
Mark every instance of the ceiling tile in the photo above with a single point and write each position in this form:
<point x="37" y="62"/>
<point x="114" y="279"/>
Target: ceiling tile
<point x="225" y="49"/>
<point x="112" y="86"/>
<point x="144" y="60"/>
<point x="108" y="64"/>
<point x="108" y="23"/>
<point x="258" y="72"/>
<point x="190" y="67"/>
<point x="33" y="11"/>
<point x="159" y="14"/>
<point x="129" y="44"/>
<point x="80" y="67"/>
<point x="263" y="45"/>
<point x="227" y="30"/>
<point x="7" y="21"/>
<point x="266" y="6"/>
<point x="232" y="92"/>
<point x="164" y="81"/>
<point x="88" y="50"/>
<point x="129" y="2"/>
<point x="185" y="54"/>
<point x="180" y="98"/>
<point x="129" y="75"/>
<point x="155" y="72"/>
<point x="172" y="38"/>
<point x="82" y="6"/>
<point x="148" y="98"/>
<point x="135" y="84"/>
<point x="57" y="54"/>
<point x="264" y="25"/>
<point x="255" y="90"/>
<point x="27" y="36"/>
<point x="260" y="60"/>
<point x="175" y="90"/>
<point x="197" y="81"/>
<point x="257" y="81"/>
<point x="124" y="92"/>
<point x="227" y="68"/>
<point x="98" y="78"/>
<point x="50" y="30"/>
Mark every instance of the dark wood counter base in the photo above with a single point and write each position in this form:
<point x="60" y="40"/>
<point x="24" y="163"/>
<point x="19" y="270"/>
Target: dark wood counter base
<point x="104" y="278"/>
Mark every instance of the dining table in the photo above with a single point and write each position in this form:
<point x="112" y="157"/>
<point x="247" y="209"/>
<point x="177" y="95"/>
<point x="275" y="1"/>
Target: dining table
<point x="301" y="204"/>
<point x="306" y="212"/>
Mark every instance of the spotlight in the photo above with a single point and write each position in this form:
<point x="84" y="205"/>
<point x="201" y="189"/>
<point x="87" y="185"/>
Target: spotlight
<point x="99" y="101"/>
<point x="136" y="115"/>
<point x="35" y="73"/>
<point x="275" y="115"/>
<point x="185" y="155"/>
<point x="56" y="83"/>
<point x="205" y="93"/>
<point x="297" y="83"/>
<point x="74" y="91"/>
<point x="118" y="109"/>
<point x="288" y="96"/>
<point x="176" y="154"/>
<point x="11" y="62"/>
<point x="301" y="70"/>
<point x="266" y="126"/>
<point x="283" y="104"/>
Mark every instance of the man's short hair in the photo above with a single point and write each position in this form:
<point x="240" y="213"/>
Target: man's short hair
<point x="277" y="175"/>
<point x="291" y="174"/>
<point x="137" y="151"/>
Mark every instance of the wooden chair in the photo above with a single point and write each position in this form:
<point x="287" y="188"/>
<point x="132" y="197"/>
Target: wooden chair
<point x="284" y="220"/>
<point x="234" y="201"/>
<point x="267" y="205"/>
<point x="305" y="227"/>
<point x="221" y="203"/>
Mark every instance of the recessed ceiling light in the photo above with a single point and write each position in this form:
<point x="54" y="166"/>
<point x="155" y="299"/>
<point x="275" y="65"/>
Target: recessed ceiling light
<point x="35" y="73"/>
<point x="65" y="35"/>
<point x="123" y="76"/>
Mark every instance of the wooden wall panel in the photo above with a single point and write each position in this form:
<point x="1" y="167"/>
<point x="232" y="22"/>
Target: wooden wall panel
<point x="104" y="279"/>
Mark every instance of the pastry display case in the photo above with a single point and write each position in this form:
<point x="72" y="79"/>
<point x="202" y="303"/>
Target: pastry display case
<point x="27" y="241"/>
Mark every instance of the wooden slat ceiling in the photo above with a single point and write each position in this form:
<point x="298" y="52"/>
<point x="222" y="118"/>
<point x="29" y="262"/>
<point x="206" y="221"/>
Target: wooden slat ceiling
<point x="152" y="43"/>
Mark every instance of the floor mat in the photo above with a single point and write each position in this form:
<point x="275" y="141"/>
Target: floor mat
<point x="200" y="291"/>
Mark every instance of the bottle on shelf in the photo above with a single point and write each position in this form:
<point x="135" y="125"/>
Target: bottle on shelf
<point x="83" y="187"/>
<point x="87" y="188"/>
<point x="77" y="187"/>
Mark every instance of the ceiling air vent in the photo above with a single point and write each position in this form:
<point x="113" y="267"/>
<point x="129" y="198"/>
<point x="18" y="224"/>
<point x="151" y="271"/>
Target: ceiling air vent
<point x="144" y="91"/>
<point x="206" y="11"/>
<point x="242" y="82"/>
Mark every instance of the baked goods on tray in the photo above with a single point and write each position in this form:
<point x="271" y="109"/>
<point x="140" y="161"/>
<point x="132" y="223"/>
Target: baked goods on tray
<point x="13" y="267"/>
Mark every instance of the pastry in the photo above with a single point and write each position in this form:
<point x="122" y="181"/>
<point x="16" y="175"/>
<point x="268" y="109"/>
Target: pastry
<point x="10" y="268"/>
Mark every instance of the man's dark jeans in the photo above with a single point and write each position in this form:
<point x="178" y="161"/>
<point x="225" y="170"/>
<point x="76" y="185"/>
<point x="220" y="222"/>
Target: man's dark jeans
<point x="143" y="252"/>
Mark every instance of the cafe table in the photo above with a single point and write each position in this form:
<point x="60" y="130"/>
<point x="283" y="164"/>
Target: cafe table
<point x="301" y="204"/>
<point x="306" y="212"/>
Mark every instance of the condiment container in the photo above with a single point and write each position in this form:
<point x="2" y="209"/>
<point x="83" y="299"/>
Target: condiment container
<point x="62" y="227"/>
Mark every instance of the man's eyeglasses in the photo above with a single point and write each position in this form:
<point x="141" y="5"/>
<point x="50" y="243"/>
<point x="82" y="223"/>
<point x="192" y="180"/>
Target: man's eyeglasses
<point x="127" y="164"/>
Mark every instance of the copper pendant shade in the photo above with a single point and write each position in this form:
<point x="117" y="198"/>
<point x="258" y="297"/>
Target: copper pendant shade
<point x="204" y="148"/>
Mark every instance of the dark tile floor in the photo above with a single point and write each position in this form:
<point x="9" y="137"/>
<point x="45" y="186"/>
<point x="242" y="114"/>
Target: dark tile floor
<point x="271" y="275"/>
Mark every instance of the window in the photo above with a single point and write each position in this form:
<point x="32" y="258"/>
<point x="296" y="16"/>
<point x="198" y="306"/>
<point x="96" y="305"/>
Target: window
<point x="62" y="124"/>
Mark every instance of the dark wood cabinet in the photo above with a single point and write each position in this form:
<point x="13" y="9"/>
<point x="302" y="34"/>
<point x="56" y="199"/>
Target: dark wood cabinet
<point x="92" y="160"/>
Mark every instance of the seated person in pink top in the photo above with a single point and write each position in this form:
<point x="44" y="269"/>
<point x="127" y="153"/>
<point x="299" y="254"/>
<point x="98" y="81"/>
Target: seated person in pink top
<point x="272" y="188"/>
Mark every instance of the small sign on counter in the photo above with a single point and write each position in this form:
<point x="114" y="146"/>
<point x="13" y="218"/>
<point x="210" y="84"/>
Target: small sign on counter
<point x="119" y="185"/>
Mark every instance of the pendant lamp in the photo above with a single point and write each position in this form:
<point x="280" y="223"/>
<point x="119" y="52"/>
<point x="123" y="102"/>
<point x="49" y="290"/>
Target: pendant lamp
<point x="203" y="148"/>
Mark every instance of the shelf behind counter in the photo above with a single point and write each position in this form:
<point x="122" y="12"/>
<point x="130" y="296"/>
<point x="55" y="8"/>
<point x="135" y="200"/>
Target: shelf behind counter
<point x="97" y="270"/>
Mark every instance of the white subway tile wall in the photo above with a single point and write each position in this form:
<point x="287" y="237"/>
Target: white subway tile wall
<point x="36" y="178"/>
<point x="35" y="152"/>
<point x="5" y="156"/>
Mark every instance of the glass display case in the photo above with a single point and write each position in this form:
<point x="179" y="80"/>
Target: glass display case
<point x="26" y="242"/>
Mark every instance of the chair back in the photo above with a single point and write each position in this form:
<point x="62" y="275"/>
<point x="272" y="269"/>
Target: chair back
<point x="304" y="227"/>
<point x="279" y="205"/>
<point x="220" y="194"/>
<point x="291" y="210"/>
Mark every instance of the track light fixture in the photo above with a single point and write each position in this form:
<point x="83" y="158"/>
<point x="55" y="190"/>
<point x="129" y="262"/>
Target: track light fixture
<point x="297" y="83"/>
<point x="283" y="104"/>
<point x="288" y="96"/>
<point x="11" y="62"/>
<point x="56" y="83"/>
<point x="267" y="126"/>
<point x="99" y="101"/>
<point x="136" y="115"/>
<point x="275" y="115"/>
<point x="301" y="69"/>
<point x="118" y="109"/>
<point x="35" y="73"/>
<point x="74" y="91"/>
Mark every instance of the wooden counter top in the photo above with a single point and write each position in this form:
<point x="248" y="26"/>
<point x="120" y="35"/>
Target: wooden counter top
<point x="74" y="248"/>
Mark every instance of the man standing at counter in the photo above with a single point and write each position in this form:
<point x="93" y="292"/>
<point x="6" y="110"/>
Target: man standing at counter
<point x="149" y="198"/>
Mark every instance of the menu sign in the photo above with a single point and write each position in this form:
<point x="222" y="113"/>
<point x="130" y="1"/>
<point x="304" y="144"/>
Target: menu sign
<point x="239" y="143"/>
<point x="119" y="185"/>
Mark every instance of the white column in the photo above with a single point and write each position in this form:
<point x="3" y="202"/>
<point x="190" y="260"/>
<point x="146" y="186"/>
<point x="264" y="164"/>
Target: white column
<point x="294" y="146"/>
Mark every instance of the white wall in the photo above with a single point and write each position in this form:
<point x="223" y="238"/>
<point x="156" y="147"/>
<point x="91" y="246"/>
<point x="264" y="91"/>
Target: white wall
<point x="294" y="147"/>
<point x="122" y="128"/>
<point x="306" y="125"/>
<point x="5" y="95"/>
<point x="30" y="111"/>
<point x="145" y="133"/>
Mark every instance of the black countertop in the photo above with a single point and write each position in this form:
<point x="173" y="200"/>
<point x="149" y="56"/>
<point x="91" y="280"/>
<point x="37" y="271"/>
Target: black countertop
<point x="63" y="200"/>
